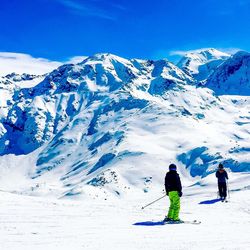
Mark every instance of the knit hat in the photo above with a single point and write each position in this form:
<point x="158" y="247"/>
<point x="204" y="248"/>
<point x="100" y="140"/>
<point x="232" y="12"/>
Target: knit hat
<point x="221" y="166"/>
<point x="172" y="167"/>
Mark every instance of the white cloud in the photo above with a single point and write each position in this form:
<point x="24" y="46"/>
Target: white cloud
<point x="86" y="9"/>
<point x="179" y="52"/>
<point x="184" y="52"/>
<point x="76" y="59"/>
<point x="230" y="51"/>
<point x="24" y="63"/>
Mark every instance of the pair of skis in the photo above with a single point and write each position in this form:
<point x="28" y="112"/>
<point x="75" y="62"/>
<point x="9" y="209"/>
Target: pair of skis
<point x="194" y="222"/>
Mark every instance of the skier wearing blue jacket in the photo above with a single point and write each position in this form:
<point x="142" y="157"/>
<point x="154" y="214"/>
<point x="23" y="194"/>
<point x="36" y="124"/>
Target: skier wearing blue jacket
<point x="222" y="176"/>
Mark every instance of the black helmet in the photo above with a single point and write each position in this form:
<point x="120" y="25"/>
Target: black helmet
<point x="221" y="166"/>
<point x="172" y="167"/>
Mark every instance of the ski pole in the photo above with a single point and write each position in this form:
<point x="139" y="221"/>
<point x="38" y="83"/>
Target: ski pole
<point x="154" y="201"/>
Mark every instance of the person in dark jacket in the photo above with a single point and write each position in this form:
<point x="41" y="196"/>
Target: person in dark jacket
<point x="174" y="191"/>
<point x="222" y="176"/>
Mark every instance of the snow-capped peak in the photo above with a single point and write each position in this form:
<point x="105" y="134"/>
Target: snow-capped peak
<point x="209" y="54"/>
<point x="105" y="58"/>
<point x="200" y="63"/>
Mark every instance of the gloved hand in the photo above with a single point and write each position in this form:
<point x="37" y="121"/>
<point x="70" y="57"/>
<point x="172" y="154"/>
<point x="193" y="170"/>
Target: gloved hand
<point x="180" y="193"/>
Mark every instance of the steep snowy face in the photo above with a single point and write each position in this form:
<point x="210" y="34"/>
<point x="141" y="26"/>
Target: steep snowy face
<point x="98" y="73"/>
<point x="233" y="76"/>
<point x="201" y="63"/>
<point x="7" y="89"/>
<point x="166" y="76"/>
<point x="35" y="108"/>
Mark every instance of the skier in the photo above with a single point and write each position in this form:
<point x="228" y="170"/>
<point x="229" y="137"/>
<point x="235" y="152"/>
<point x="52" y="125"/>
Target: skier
<point x="222" y="176"/>
<point x="174" y="191"/>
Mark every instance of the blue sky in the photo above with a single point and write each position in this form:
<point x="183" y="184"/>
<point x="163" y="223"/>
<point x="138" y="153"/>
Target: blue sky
<point x="60" y="29"/>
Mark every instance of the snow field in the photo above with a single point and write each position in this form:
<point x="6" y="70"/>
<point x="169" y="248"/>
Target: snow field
<point x="44" y="223"/>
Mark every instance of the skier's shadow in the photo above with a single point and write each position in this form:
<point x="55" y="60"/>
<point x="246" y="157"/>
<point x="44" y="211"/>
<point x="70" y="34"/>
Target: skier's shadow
<point x="207" y="202"/>
<point x="149" y="223"/>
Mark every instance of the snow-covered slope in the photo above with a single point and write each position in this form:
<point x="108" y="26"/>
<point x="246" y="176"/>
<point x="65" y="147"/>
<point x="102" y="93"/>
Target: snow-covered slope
<point x="29" y="223"/>
<point x="201" y="63"/>
<point x="233" y="76"/>
<point x="110" y="126"/>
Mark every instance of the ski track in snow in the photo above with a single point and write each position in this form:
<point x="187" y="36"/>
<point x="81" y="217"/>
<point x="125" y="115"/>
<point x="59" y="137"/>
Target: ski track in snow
<point x="45" y="223"/>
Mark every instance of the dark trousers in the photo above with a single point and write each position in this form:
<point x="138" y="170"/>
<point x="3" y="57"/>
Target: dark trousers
<point x="222" y="189"/>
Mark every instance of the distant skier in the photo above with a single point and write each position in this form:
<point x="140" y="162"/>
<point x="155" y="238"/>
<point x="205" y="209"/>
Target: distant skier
<point x="222" y="176"/>
<point x="174" y="191"/>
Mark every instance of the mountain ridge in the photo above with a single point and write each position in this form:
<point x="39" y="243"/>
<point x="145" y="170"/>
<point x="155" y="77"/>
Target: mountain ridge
<point x="85" y="123"/>
<point x="201" y="63"/>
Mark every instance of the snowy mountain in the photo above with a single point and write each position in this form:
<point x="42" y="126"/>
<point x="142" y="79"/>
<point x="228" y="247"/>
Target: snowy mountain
<point x="233" y="76"/>
<point x="201" y="63"/>
<point x="110" y="126"/>
<point x="61" y="95"/>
